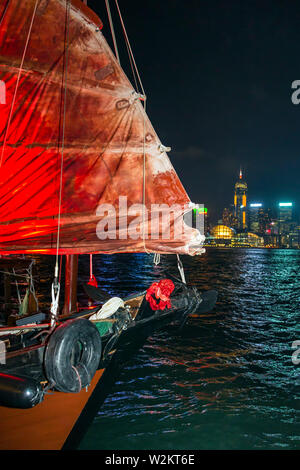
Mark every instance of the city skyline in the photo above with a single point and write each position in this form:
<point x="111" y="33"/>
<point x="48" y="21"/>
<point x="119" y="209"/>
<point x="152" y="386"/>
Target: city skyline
<point x="215" y="213"/>
<point x="253" y="223"/>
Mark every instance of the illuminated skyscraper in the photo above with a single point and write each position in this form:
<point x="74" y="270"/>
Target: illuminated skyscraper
<point x="200" y="219"/>
<point x="240" y="202"/>
<point x="285" y="217"/>
<point x="254" y="212"/>
<point x="228" y="218"/>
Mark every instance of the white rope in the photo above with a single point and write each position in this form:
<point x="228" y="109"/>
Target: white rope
<point x="144" y="176"/>
<point x="181" y="269"/>
<point x="132" y="67"/>
<point x="63" y="135"/>
<point x="142" y="96"/>
<point x="129" y="46"/>
<point x="14" y="274"/>
<point x="17" y="286"/>
<point x="31" y="284"/>
<point x="112" y="30"/>
<point x="156" y="258"/>
<point x="78" y="377"/>
<point x="56" y="284"/>
<point x="55" y="290"/>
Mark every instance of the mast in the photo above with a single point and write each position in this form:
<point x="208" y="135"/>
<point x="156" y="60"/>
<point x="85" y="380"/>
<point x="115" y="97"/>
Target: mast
<point x="71" y="275"/>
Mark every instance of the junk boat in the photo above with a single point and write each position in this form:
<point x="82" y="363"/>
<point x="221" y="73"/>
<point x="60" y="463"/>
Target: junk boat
<point x="81" y="171"/>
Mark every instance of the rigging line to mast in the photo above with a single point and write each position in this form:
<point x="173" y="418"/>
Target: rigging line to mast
<point x="55" y="291"/>
<point x="17" y="82"/>
<point x="180" y="268"/>
<point x="133" y="63"/>
<point x="4" y="11"/>
<point x="17" y="286"/>
<point x="129" y="47"/>
<point x="112" y="30"/>
<point x="63" y="131"/>
<point x="144" y="176"/>
<point x="132" y="67"/>
<point x="116" y="45"/>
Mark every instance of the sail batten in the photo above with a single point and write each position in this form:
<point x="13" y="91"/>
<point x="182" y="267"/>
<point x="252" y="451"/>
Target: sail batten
<point x="107" y="142"/>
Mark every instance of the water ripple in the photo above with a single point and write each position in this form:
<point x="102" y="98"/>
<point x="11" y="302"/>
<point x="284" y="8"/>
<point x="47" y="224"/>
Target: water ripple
<point x="227" y="381"/>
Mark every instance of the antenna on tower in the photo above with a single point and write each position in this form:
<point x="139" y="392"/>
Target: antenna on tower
<point x="241" y="173"/>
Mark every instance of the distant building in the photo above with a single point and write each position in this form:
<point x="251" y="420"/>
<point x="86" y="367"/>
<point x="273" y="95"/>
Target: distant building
<point x="254" y="213"/>
<point x="223" y="236"/>
<point x="285" y="217"/>
<point x="240" y="203"/>
<point x="228" y="217"/>
<point x="220" y="235"/>
<point x="265" y="219"/>
<point x="259" y="219"/>
<point x="200" y="219"/>
<point x="294" y="237"/>
<point x="222" y="232"/>
<point x="253" y="225"/>
<point x="285" y="223"/>
<point x="247" y="240"/>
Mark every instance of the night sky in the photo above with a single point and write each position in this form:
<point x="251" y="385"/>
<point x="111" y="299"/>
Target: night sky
<point x="218" y="77"/>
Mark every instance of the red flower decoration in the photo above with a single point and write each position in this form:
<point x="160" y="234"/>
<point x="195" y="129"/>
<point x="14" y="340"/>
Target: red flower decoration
<point x="158" y="294"/>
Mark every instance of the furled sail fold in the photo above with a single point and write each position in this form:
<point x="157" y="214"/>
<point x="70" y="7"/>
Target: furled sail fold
<point x="76" y="147"/>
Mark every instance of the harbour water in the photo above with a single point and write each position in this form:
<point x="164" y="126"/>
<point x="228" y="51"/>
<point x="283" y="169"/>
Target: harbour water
<point x="227" y="380"/>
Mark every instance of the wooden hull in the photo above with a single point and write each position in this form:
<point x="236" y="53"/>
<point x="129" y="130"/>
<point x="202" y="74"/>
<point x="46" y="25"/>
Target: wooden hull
<point x="47" y="425"/>
<point x="61" y="419"/>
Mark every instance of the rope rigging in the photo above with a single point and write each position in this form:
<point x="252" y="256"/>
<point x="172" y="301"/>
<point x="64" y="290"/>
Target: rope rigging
<point x="112" y="30"/>
<point x="129" y="47"/>
<point x="55" y="290"/>
<point x="140" y="93"/>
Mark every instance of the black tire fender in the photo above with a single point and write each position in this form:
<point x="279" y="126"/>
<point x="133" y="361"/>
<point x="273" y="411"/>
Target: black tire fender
<point x="72" y="355"/>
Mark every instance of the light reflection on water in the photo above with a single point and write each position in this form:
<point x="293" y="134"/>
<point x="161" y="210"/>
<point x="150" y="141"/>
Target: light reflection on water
<point x="227" y="380"/>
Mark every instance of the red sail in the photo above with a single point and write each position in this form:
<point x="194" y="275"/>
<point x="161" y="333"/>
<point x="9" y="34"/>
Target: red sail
<point x="76" y="147"/>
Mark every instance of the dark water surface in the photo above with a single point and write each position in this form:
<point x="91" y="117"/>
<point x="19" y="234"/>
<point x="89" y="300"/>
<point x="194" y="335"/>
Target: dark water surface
<point x="227" y="381"/>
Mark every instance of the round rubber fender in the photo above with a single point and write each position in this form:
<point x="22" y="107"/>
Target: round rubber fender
<point x="72" y="355"/>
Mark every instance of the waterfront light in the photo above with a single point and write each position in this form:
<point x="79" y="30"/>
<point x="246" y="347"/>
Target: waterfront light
<point x="285" y="204"/>
<point x="256" y="205"/>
